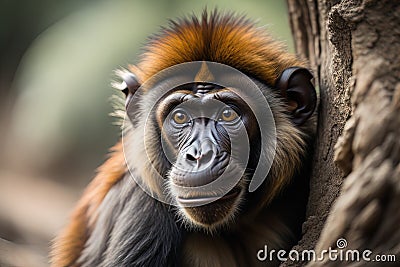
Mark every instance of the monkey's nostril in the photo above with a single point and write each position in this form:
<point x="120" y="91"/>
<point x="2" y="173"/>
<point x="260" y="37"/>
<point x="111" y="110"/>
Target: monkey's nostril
<point x="191" y="157"/>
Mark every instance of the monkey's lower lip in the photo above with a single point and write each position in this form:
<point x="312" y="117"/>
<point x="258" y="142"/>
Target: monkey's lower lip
<point x="203" y="200"/>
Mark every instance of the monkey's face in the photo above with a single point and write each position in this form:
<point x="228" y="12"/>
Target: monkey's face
<point x="205" y="130"/>
<point x="206" y="146"/>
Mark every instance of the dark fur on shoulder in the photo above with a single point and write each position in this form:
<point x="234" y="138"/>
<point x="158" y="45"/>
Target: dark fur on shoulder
<point x="132" y="230"/>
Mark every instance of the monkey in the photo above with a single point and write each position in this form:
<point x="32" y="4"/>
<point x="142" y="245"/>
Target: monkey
<point x="202" y="86"/>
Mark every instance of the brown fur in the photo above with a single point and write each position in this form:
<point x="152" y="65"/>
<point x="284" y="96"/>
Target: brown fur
<point x="70" y="242"/>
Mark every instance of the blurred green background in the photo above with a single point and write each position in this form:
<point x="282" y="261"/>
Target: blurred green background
<point x="56" y="62"/>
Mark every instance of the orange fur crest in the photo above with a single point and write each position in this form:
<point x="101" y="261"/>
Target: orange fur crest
<point x="223" y="38"/>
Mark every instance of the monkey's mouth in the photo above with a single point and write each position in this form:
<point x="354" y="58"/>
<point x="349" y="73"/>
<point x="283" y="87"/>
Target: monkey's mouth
<point x="201" y="200"/>
<point x="210" y="212"/>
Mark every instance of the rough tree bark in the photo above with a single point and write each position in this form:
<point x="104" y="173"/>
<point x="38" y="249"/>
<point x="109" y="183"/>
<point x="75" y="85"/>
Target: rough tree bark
<point x="354" y="50"/>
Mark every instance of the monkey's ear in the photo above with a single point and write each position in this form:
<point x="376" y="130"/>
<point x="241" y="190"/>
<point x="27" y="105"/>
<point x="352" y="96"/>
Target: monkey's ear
<point x="295" y="85"/>
<point x="129" y="84"/>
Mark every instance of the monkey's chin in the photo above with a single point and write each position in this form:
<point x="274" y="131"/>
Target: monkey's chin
<point x="212" y="215"/>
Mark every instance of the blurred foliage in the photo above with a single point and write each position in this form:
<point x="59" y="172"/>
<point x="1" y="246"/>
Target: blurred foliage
<point x="60" y="119"/>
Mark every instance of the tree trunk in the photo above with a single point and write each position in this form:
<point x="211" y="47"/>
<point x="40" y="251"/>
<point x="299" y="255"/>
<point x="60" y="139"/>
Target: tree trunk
<point x="354" y="51"/>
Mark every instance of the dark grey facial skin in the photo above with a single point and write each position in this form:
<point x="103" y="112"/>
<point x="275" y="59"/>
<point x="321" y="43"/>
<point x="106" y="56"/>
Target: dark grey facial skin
<point x="231" y="150"/>
<point x="202" y="133"/>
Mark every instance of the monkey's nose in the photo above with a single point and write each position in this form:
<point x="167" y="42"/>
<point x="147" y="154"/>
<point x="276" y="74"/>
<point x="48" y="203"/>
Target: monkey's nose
<point x="201" y="158"/>
<point x="200" y="155"/>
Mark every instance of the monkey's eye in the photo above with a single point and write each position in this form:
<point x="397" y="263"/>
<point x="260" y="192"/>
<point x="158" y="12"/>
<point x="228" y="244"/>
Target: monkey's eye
<point x="180" y="117"/>
<point x="228" y="115"/>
